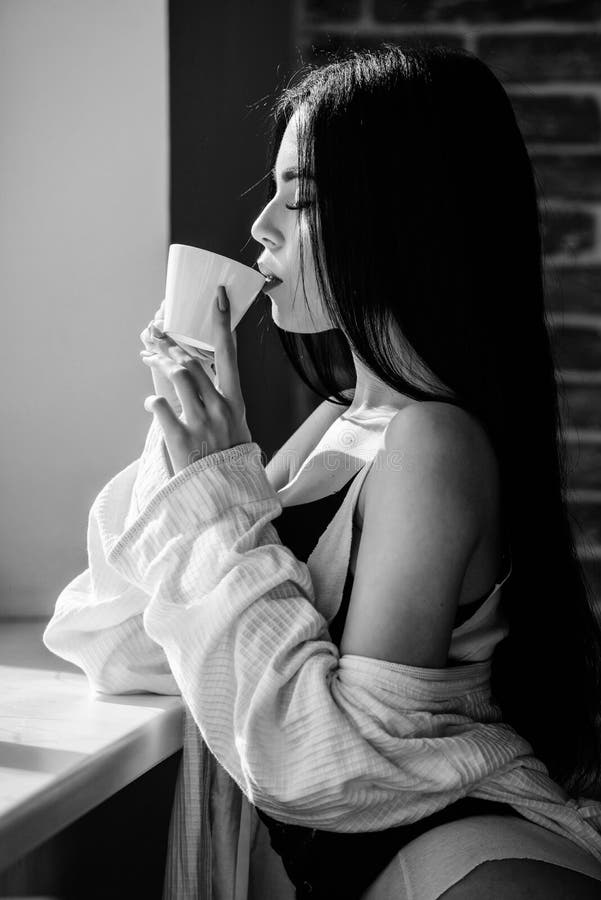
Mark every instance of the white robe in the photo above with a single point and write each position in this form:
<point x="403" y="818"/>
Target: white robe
<point x="190" y="591"/>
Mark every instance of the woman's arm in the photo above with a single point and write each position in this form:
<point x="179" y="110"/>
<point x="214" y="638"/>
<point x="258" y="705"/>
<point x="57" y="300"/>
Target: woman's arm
<point x="344" y="744"/>
<point x="97" y="622"/>
<point x="429" y="499"/>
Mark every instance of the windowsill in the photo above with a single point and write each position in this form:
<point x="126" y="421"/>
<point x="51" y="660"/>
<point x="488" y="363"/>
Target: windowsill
<point x="63" y="748"/>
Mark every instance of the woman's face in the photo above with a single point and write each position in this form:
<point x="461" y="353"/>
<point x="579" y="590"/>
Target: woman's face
<point x="280" y="230"/>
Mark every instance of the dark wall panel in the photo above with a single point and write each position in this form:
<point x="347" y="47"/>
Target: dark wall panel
<point x="224" y="58"/>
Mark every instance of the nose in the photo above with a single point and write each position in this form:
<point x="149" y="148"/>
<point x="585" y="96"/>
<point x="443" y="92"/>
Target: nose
<point x="264" y="230"/>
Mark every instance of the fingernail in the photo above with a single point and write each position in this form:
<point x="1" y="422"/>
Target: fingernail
<point x="222" y="299"/>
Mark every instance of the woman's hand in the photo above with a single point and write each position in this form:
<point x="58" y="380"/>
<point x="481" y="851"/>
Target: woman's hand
<point x="154" y="341"/>
<point x="213" y="415"/>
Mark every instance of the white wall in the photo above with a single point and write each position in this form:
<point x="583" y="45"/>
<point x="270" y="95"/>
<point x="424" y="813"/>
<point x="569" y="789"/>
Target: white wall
<point x="83" y="246"/>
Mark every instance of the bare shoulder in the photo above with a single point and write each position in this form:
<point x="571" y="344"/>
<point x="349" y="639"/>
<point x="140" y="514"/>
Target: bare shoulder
<point x="437" y="436"/>
<point x="446" y="435"/>
<point x="442" y="423"/>
<point x="434" y="447"/>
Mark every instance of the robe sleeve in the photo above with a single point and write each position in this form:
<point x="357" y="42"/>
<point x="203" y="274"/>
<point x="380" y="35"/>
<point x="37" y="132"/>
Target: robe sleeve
<point x="97" y="621"/>
<point x="341" y="743"/>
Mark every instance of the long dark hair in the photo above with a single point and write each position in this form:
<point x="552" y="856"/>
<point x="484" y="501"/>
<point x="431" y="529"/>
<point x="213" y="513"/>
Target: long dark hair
<point x="425" y="216"/>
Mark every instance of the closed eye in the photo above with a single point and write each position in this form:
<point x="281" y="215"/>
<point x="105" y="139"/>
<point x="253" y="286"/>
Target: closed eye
<point x="291" y="175"/>
<point x="299" y="205"/>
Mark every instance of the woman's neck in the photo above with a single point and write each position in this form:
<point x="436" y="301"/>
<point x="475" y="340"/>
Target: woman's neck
<point x="372" y="393"/>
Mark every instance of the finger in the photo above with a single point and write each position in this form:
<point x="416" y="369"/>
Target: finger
<point x="186" y="386"/>
<point x="167" y="419"/>
<point x="212" y="398"/>
<point x="163" y="387"/>
<point x="204" y="357"/>
<point x="152" y="331"/>
<point x="146" y="337"/>
<point x="159" y="316"/>
<point x="156" y="332"/>
<point x="162" y="361"/>
<point x="175" y="352"/>
<point x="169" y="349"/>
<point x="186" y="389"/>
<point x="164" y="344"/>
<point x="159" y="361"/>
<point x="226" y="352"/>
<point x="187" y="350"/>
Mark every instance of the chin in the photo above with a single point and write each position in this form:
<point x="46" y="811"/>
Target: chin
<point x="280" y="320"/>
<point x="276" y="315"/>
<point x="289" y="323"/>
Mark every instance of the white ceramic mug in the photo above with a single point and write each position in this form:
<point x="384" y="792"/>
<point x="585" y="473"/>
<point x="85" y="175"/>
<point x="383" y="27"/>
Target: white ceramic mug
<point x="193" y="276"/>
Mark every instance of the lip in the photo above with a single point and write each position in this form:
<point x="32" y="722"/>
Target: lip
<point x="266" y="272"/>
<point x="270" y="287"/>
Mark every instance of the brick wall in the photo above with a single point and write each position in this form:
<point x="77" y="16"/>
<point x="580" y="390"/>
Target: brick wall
<point x="547" y="54"/>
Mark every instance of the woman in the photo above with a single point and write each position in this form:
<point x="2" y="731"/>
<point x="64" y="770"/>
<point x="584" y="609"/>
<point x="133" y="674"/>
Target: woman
<point x="365" y="747"/>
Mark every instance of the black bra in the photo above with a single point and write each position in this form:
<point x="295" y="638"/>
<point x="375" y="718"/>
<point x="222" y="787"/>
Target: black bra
<point x="467" y="610"/>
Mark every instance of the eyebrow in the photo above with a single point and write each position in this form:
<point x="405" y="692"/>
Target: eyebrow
<point x="290" y="175"/>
